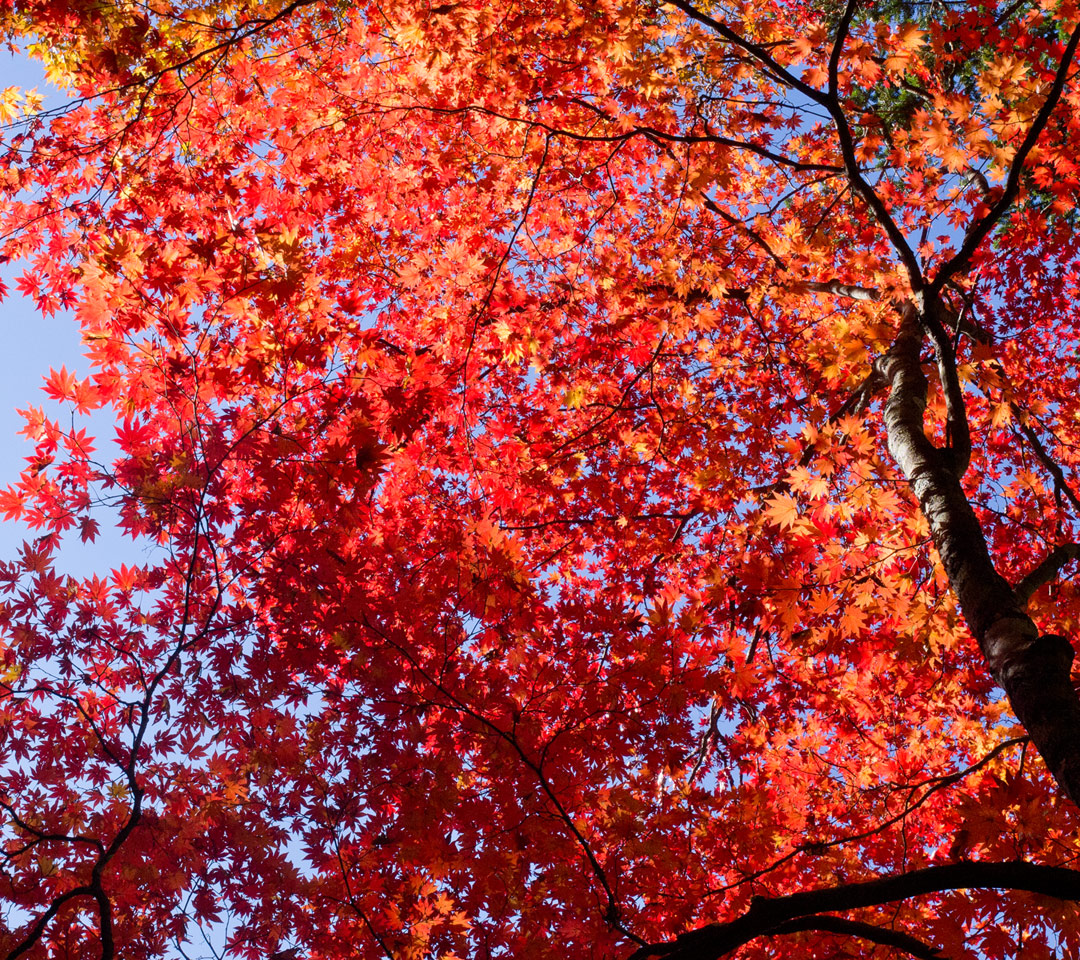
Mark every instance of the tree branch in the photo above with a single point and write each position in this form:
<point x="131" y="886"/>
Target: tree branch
<point x="981" y="230"/>
<point x="768" y="916"/>
<point x="932" y="785"/>
<point x="769" y="64"/>
<point x="651" y="133"/>
<point x="831" y="101"/>
<point x="753" y="234"/>
<point x="1061" y="482"/>
<point x="851" y="163"/>
<point x="932" y="316"/>
<point x="1047" y="570"/>
<point x="871" y="294"/>
<point x="864" y="931"/>
<point x="1033" y="670"/>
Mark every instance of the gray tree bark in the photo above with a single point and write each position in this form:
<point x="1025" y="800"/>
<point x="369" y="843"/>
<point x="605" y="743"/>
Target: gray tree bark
<point x="1033" y="669"/>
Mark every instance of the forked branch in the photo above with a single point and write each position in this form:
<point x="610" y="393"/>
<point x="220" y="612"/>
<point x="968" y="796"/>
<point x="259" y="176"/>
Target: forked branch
<point x="1033" y="670"/>
<point x="981" y="230"/>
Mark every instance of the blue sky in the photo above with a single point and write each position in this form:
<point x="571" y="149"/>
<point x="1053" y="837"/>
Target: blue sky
<point x="33" y="344"/>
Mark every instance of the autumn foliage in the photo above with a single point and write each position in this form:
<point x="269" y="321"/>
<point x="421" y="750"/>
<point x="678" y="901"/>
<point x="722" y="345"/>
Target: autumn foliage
<point x="604" y="474"/>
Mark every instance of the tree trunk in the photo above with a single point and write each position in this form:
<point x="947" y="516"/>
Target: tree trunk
<point x="1033" y="670"/>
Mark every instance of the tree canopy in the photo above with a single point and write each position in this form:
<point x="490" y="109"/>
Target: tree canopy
<point x="606" y="472"/>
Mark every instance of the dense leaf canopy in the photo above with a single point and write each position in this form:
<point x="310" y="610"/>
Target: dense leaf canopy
<point x="605" y="474"/>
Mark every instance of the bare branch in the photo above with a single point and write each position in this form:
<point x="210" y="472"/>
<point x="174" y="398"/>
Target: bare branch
<point x="864" y="931"/>
<point x="1061" y="483"/>
<point x="981" y="230"/>
<point x="871" y="294"/>
<point x="831" y="101"/>
<point x="767" y="916"/>
<point x="1047" y="570"/>
<point x="769" y="64"/>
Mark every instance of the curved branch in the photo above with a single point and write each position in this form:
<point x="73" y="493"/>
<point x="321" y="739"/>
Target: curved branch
<point x="830" y="100"/>
<point x="641" y="130"/>
<point x="1061" y="482"/>
<point x="612" y="913"/>
<point x="982" y="229"/>
<point x="42" y="922"/>
<point x="851" y="163"/>
<point x="768" y="916"/>
<point x="864" y="931"/>
<point x="242" y="31"/>
<point x="769" y="64"/>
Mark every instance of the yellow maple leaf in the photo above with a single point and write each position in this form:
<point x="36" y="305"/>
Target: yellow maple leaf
<point x="908" y="40"/>
<point x="10" y="99"/>
<point x="782" y="510"/>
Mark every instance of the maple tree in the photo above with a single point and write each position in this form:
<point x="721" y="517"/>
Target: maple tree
<point x="605" y="473"/>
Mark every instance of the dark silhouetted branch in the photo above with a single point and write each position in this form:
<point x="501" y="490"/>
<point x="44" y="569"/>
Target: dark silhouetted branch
<point x="768" y="916"/>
